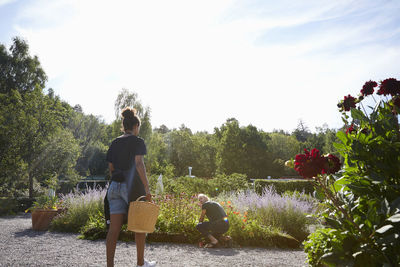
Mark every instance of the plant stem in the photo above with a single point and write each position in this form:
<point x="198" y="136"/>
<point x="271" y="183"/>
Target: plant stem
<point x="336" y="203"/>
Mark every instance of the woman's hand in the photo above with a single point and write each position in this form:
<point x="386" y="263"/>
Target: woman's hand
<point x="148" y="197"/>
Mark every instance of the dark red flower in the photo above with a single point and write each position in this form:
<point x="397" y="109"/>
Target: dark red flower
<point x="349" y="102"/>
<point x="332" y="164"/>
<point x="396" y="101"/>
<point x="309" y="164"/>
<point x="389" y="86"/>
<point x="365" y="131"/>
<point x="368" y="88"/>
<point x="350" y="129"/>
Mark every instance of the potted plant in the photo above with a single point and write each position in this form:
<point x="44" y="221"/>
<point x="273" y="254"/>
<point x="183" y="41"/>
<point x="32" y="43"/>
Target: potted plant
<point x="44" y="209"/>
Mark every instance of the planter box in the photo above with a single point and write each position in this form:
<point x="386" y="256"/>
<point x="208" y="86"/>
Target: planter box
<point x="41" y="219"/>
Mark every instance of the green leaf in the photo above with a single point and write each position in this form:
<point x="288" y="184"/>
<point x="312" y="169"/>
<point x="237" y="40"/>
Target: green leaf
<point x="340" y="184"/>
<point x="342" y="137"/>
<point x="358" y="114"/>
<point x="384" y="229"/>
<point x="339" y="146"/>
<point x="332" y="222"/>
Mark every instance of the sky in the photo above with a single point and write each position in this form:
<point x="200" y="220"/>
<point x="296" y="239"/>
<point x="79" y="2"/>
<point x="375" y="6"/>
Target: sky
<point x="198" y="63"/>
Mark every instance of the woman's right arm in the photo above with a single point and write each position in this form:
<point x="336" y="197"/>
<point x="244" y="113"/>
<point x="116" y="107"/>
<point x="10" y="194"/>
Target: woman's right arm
<point x="203" y="213"/>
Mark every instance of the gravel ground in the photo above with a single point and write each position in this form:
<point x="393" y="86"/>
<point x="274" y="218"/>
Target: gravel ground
<point x="21" y="246"/>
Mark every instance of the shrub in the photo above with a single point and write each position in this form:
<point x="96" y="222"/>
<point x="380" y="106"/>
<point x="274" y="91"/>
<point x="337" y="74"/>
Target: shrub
<point x="79" y="207"/>
<point x="228" y="183"/>
<point x="196" y="185"/>
<point x="305" y="186"/>
<point x="322" y="242"/>
<point x="11" y="206"/>
<point x="288" y="214"/>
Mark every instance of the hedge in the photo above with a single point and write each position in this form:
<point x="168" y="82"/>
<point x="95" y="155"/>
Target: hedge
<point x="281" y="186"/>
<point x="10" y="206"/>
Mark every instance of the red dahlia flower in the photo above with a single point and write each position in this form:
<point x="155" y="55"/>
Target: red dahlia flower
<point x="368" y="88"/>
<point x="349" y="102"/>
<point x="332" y="164"/>
<point x="309" y="164"/>
<point x="350" y="129"/>
<point x="389" y="86"/>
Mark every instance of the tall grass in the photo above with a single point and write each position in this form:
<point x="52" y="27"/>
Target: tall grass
<point x="79" y="207"/>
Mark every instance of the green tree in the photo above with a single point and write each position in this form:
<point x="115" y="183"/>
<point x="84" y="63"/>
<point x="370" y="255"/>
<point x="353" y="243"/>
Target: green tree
<point x="181" y="150"/>
<point x="242" y="150"/>
<point x="30" y="119"/>
<point x="302" y="133"/>
<point x="94" y="137"/>
<point x="19" y="70"/>
<point x="130" y="99"/>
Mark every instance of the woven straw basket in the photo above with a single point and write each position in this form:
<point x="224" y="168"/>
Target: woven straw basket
<point x="142" y="216"/>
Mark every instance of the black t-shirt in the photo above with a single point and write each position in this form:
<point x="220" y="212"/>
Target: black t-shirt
<point x="123" y="150"/>
<point x="214" y="211"/>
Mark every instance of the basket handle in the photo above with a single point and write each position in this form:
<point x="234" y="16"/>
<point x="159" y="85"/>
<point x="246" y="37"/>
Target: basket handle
<point x="139" y="198"/>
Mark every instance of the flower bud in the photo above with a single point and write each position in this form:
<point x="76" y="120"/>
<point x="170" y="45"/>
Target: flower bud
<point x="289" y="163"/>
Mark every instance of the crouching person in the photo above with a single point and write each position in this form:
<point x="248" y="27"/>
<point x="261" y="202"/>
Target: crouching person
<point x="217" y="223"/>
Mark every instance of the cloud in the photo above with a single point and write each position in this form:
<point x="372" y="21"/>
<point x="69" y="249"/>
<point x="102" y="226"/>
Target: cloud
<point x="199" y="63"/>
<point x="6" y="2"/>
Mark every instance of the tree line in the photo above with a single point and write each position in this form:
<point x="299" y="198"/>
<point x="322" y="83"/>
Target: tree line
<point x="45" y="141"/>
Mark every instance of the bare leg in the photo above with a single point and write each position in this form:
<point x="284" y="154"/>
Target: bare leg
<point x="212" y="239"/>
<point x="112" y="237"/>
<point x="140" y="239"/>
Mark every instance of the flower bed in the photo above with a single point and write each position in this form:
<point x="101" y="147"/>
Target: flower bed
<point x="279" y="221"/>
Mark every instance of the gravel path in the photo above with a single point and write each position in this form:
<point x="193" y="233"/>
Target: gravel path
<point x="21" y="246"/>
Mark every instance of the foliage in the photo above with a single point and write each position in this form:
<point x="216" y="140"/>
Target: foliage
<point x="196" y="185"/>
<point x="95" y="227"/>
<point x="79" y="208"/>
<point x="322" y="242"/>
<point x="19" y="70"/>
<point x="286" y="213"/>
<point x="282" y="186"/>
<point x="45" y="202"/>
<point x="32" y="145"/>
<point x="179" y="215"/>
<point x="242" y="150"/>
<point x="228" y="183"/>
<point x="363" y="202"/>
<point x="130" y="99"/>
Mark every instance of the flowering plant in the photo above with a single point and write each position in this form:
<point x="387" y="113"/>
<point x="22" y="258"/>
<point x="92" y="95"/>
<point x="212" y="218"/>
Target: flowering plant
<point x="363" y="199"/>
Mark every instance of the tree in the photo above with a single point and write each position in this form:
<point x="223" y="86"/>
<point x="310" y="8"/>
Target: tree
<point x="180" y="150"/>
<point x="93" y="136"/>
<point x="18" y="70"/>
<point x="302" y="133"/>
<point x="242" y="150"/>
<point x="130" y="99"/>
<point x="30" y="119"/>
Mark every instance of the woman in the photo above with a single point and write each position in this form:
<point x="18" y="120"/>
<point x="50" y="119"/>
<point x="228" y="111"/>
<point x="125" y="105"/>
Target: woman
<point x="125" y="160"/>
<point x="217" y="220"/>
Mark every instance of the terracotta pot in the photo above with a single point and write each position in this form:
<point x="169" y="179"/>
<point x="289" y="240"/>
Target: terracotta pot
<point x="41" y="219"/>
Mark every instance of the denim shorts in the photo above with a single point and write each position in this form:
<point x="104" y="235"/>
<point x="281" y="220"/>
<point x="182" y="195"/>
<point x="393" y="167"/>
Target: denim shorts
<point x="117" y="196"/>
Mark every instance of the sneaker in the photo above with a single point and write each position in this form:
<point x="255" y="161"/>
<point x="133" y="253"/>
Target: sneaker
<point x="148" y="264"/>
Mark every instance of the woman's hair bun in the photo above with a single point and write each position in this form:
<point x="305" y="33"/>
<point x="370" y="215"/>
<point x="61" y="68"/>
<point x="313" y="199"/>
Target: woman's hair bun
<point x="128" y="113"/>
